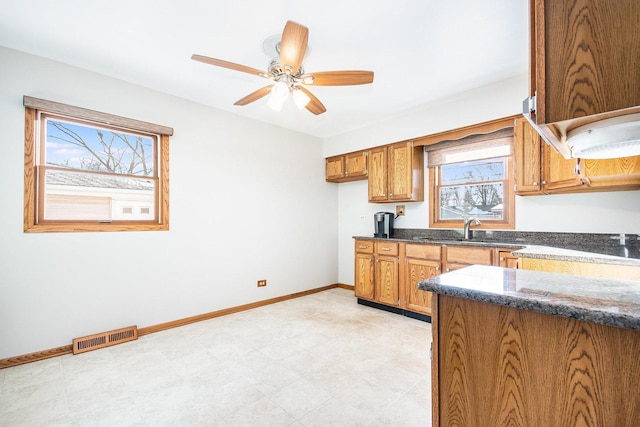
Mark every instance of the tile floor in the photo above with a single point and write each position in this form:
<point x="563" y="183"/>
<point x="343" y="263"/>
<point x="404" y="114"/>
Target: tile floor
<point x="319" y="360"/>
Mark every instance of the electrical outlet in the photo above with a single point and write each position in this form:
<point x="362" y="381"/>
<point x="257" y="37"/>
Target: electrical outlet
<point x="400" y="210"/>
<point x="262" y="283"/>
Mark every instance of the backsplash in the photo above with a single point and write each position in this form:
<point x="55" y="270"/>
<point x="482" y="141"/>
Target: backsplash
<point x="623" y="245"/>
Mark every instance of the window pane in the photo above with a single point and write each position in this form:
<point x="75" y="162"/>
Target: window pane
<point x="478" y="171"/>
<point x="483" y="201"/>
<point x="85" y="147"/>
<point x="95" y="196"/>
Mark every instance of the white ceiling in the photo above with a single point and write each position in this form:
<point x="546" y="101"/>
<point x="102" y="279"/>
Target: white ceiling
<point x="420" y="50"/>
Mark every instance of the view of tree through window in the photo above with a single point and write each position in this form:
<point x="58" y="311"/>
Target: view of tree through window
<point x="472" y="189"/>
<point x="95" y="173"/>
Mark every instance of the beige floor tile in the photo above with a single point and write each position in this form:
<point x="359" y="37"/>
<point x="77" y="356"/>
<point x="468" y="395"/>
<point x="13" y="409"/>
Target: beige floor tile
<point x="318" y="360"/>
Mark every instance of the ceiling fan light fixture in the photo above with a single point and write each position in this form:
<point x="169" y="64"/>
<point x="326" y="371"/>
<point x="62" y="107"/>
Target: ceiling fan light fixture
<point x="300" y="98"/>
<point x="279" y="94"/>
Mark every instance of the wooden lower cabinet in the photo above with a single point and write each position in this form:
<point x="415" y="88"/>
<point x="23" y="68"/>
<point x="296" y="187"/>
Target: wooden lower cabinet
<point x="505" y="259"/>
<point x="501" y="366"/>
<point x="387" y="273"/>
<point x="364" y="269"/>
<point x="421" y="262"/>
<point x="590" y="269"/>
<point x="386" y="280"/>
<point x="456" y="257"/>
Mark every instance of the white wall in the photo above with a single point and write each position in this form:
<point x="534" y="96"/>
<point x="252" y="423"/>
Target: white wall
<point x="613" y="212"/>
<point x="248" y="202"/>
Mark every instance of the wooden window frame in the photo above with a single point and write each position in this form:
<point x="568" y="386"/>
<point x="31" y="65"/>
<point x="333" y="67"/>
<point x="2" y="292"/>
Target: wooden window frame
<point x="508" y="202"/>
<point x="33" y="108"/>
<point x="508" y="221"/>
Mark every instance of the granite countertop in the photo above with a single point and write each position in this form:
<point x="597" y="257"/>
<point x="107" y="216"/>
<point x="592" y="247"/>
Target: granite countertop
<point x="546" y="252"/>
<point x="622" y="249"/>
<point x="604" y="301"/>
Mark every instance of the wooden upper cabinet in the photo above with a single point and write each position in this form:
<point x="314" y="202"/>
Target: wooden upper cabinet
<point x="396" y="173"/>
<point x="378" y="174"/>
<point x="355" y="165"/>
<point x="527" y="150"/>
<point x="539" y="168"/>
<point x="584" y="57"/>
<point x="347" y="167"/>
<point x="335" y="168"/>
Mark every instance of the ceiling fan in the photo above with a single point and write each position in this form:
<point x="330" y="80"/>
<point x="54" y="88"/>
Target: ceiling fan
<point x="288" y="75"/>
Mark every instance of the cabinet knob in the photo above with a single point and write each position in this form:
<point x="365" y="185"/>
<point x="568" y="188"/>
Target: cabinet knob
<point x="447" y="269"/>
<point x="535" y="182"/>
<point x="437" y="268"/>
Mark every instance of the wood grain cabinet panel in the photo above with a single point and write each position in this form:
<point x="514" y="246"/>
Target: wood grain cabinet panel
<point x="364" y="269"/>
<point x="347" y="167"/>
<point x="396" y="173"/>
<point x="500" y="366"/>
<point x="386" y="280"/>
<point x="422" y="261"/>
<point x="463" y="256"/>
<point x="585" y="57"/>
<point x="378" y="174"/>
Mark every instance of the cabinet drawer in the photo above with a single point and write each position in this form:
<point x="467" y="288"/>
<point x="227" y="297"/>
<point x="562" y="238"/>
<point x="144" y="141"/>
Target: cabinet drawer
<point x="423" y="251"/>
<point x="469" y="255"/>
<point x="364" y="246"/>
<point x="387" y="248"/>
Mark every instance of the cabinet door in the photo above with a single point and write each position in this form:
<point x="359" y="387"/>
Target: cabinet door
<point x="560" y="173"/>
<point x="335" y="168"/>
<point x="386" y="280"/>
<point x="527" y="155"/>
<point x="505" y="259"/>
<point x="400" y="171"/>
<point x="356" y="165"/>
<point x="378" y="174"/>
<point x="416" y="271"/>
<point x="364" y="276"/>
<point x="621" y="173"/>
<point x="583" y="59"/>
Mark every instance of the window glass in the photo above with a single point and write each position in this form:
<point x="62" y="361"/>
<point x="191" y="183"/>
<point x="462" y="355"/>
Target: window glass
<point x="92" y="172"/>
<point x="472" y="189"/>
<point x="85" y="170"/>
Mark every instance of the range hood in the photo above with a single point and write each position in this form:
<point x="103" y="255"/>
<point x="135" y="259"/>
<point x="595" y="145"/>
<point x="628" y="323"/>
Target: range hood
<point x="607" y="135"/>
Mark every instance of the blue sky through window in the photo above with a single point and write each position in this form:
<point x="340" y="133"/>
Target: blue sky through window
<point x="86" y="147"/>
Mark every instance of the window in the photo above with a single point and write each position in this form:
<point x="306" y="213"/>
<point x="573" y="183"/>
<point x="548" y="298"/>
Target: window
<point x="90" y="171"/>
<point x="471" y="178"/>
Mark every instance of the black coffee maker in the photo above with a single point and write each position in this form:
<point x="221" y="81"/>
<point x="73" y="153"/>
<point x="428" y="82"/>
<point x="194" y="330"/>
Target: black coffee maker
<point x="383" y="222"/>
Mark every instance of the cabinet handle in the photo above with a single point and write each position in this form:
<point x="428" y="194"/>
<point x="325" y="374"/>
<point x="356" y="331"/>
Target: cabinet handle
<point x="385" y="249"/>
<point x="363" y="246"/>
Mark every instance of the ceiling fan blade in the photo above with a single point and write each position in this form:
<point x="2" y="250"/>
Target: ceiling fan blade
<point x="230" y="65"/>
<point x="314" y="105"/>
<point x="339" y="78"/>
<point x="293" y="46"/>
<point x="254" y="96"/>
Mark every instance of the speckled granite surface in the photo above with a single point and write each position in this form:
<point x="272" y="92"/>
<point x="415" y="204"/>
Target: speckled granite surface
<point x="604" y="301"/>
<point x="583" y="247"/>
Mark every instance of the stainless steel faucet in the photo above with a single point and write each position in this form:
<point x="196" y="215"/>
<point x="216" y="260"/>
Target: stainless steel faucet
<point x="467" y="226"/>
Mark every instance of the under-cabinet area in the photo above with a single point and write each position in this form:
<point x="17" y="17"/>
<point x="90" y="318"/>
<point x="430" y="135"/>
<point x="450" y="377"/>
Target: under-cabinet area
<point x="387" y="272"/>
